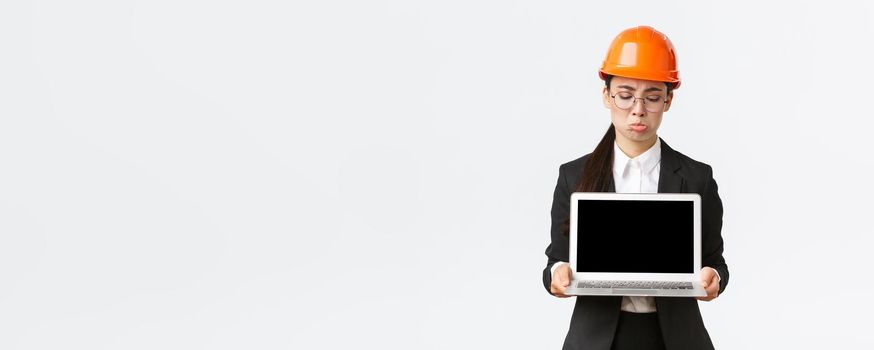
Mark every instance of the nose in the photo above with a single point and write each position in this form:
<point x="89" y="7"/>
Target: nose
<point x="638" y="108"/>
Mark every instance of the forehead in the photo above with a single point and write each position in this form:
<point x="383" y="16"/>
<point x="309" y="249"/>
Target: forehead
<point x="637" y="84"/>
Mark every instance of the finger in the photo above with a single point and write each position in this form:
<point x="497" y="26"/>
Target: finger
<point x="706" y="276"/>
<point x="561" y="288"/>
<point x="563" y="280"/>
<point x="713" y="290"/>
<point x="558" y="291"/>
<point x="713" y="283"/>
<point x="557" y="287"/>
<point x="568" y="277"/>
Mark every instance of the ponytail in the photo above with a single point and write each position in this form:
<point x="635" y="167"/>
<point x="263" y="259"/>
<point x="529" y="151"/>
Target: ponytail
<point x="597" y="173"/>
<point x="598" y="170"/>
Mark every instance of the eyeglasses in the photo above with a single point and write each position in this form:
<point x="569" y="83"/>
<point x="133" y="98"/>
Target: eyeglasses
<point x="652" y="103"/>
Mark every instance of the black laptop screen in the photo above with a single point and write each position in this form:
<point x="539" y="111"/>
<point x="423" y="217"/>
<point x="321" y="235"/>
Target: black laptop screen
<point x="635" y="236"/>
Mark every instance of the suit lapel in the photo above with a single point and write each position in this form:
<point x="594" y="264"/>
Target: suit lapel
<point x="673" y="312"/>
<point x="670" y="180"/>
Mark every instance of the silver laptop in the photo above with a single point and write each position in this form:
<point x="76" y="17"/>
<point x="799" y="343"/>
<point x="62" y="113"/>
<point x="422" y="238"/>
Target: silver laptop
<point x="640" y="244"/>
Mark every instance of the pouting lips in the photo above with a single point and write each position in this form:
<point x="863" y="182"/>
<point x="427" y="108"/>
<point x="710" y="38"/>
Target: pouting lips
<point x="638" y="127"/>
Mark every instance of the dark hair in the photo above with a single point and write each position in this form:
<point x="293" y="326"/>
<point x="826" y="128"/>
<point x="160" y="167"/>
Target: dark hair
<point x="597" y="175"/>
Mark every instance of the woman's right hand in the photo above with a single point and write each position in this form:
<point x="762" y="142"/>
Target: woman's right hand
<point x="561" y="278"/>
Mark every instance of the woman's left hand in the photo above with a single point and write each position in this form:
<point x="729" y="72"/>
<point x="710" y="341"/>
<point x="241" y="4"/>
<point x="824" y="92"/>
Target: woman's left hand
<point x="710" y="282"/>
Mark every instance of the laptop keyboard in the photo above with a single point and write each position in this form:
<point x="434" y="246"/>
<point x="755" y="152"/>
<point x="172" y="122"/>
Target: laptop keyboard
<point x="635" y="284"/>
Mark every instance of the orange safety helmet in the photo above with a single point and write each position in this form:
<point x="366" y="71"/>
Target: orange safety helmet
<point x="642" y="53"/>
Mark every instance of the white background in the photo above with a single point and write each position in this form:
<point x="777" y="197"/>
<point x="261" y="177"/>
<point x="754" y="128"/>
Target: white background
<point x="378" y="174"/>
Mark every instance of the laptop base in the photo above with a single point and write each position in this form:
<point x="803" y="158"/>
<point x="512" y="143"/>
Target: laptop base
<point x="695" y="292"/>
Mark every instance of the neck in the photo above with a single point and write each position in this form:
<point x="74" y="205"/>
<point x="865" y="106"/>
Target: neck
<point x="634" y="148"/>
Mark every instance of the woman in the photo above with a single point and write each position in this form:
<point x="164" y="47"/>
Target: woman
<point x="640" y="75"/>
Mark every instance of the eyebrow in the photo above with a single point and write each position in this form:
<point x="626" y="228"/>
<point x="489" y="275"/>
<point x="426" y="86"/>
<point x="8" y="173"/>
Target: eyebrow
<point x="653" y="88"/>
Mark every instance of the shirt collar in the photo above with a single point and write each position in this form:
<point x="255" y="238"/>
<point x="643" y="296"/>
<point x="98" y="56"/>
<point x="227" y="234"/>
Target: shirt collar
<point x="648" y="159"/>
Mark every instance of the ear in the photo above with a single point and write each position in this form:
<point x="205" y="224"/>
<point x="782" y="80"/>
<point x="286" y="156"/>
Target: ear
<point x="670" y="100"/>
<point x="606" y="98"/>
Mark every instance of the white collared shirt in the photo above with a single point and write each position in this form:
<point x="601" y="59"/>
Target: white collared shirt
<point x="636" y="175"/>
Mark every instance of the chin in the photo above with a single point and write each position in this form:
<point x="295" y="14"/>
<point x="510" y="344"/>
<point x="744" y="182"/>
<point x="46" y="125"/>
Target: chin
<point x="633" y="136"/>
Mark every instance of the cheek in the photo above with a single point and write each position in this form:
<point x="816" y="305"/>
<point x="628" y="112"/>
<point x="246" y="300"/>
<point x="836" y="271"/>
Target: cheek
<point x="617" y="116"/>
<point x="656" y="121"/>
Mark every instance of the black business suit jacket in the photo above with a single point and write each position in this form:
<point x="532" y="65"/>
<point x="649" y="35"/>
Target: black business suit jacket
<point x="594" y="318"/>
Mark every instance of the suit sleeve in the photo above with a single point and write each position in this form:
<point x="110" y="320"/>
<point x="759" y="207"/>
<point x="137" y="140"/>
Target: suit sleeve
<point x="711" y="229"/>
<point x="558" y="248"/>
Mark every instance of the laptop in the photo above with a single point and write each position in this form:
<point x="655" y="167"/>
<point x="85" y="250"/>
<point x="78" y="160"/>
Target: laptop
<point x="637" y="244"/>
